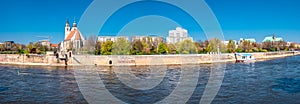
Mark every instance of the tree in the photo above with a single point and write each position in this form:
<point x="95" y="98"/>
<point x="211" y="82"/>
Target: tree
<point x="292" y="46"/>
<point x="208" y="48"/>
<point x="162" y="48"/>
<point x="121" y="47"/>
<point x="198" y="47"/>
<point x="231" y="46"/>
<point x="186" y="47"/>
<point x="246" y="46"/>
<point x="89" y="44"/>
<point x="215" y="45"/>
<point x="2" y="47"/>
<point x="267" y="45"/>
<point x="282" y="45"/>
<point x="98" y="48"/>
<point x="171" y="48"/>
<point x="137" y="48"/>
<point x="146" y="47"/>
<point x="106" y="48"/>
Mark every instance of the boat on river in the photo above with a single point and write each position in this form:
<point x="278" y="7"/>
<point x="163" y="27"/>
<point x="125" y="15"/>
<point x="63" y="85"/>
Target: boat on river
<point x="244" y="58"/>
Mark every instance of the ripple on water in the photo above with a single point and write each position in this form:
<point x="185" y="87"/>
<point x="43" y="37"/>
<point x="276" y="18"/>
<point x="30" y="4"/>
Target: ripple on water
<point x="290" y="85"/>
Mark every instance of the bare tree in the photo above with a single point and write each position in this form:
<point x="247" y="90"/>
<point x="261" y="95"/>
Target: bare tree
<point x="90" y="43"/>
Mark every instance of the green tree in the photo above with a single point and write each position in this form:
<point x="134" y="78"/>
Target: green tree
<point x="106" y="48"/>
<point x="231" y="46"/>
<point x="208" y="48"/>
<point x="121" y="47"/>
<point x="186" y="47"/>
<point x="162" y="48"/>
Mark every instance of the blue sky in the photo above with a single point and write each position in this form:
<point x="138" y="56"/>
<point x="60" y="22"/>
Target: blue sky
<point x="23" y="20"/>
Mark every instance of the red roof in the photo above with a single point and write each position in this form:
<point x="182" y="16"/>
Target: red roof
<point x="72" y="33"/>
<point x="54" y="45"/>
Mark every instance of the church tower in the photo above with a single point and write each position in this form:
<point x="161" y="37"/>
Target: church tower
<point x="74" y="27"/>
<point x="67" y="29"/>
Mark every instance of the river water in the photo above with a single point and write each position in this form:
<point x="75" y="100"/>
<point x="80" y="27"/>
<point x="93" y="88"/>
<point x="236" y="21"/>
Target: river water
<point x="273" y="81"/>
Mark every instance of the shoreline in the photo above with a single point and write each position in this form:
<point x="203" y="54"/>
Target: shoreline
<point x="185" y="59"/>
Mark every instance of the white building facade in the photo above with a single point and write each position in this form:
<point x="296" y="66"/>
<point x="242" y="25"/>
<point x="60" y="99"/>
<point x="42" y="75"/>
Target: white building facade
<point x="110" y="38"/>
<point x="177" y="35"/>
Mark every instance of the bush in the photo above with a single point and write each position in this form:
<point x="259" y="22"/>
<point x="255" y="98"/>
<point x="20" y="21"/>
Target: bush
<point x="239" y="50"/>
<point x="255" y="50"/>
<point x="263" y="50"/>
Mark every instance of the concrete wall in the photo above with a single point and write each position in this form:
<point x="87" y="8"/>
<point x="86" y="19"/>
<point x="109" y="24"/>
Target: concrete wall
<point x="133" y="59"/>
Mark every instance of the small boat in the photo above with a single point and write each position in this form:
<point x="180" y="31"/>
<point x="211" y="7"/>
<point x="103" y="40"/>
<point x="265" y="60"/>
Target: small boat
<point x="244" y="58"/>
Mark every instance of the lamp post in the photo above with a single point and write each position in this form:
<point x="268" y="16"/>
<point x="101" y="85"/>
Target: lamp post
<point x="218" y="48"/>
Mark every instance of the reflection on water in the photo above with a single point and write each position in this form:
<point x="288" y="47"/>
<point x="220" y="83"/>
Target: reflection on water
<point x="274" y="81"/>
<point x="21" y="84"/>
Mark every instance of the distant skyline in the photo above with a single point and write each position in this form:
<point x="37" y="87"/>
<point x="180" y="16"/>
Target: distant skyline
<point x="23" y="20"/>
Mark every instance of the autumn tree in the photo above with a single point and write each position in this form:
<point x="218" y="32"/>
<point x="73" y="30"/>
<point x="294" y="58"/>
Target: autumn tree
<point x="98" y="48"/>
<point x="2" y="47"/>
<point x="231" y="46"/>
<point x="246" y="46"/>
<point x="215" y="45"/>
<point x="172" y="48"/>
<point x="137" y="48"/>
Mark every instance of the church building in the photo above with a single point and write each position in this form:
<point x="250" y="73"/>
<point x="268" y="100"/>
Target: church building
<point x="73" y="39"/>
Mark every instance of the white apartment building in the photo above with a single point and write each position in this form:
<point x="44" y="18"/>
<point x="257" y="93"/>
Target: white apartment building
<point x="178" y="35"/>
<point x="147" y="38"/>
<point x="110" y="38"/>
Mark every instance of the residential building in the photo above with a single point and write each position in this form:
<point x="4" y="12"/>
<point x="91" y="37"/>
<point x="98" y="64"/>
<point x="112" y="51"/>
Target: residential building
<point x="9" y="45"/>
<point x="44" y="43"/>
<point x="110" y="38"/>
<point x="54" y="46"/>
<point x="147" y="38"/>
<point x="178" y="35"/>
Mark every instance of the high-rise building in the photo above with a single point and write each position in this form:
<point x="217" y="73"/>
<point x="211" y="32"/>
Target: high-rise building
<point x="178" y="35"/>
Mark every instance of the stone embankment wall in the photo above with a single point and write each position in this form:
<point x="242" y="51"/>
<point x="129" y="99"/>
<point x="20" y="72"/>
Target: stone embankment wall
<point x="171" y="59"/>
<point x="152" y="59"/>
<point x="107" y="60"/>
<point x="29" y="59"/>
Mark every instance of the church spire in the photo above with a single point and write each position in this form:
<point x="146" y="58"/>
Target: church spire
<point x="67" y="22"/>
<point x="74" y="24"/>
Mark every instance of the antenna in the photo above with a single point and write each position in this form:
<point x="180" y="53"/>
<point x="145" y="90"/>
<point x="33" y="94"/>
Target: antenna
<point x="48" y="37"/>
